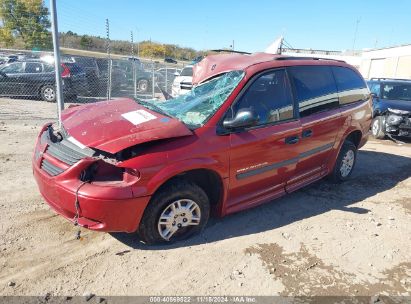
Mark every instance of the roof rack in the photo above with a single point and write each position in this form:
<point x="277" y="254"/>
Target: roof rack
<point x="387" y="78"/>
<point x="305" y="58"/>
<point x="230" y="51"/>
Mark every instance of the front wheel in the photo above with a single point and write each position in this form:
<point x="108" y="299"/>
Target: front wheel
<point x="345" y="162"/>
<point x="175" y="213"/>
<point x="377" y="127"/>
<point x="48" y="93"/>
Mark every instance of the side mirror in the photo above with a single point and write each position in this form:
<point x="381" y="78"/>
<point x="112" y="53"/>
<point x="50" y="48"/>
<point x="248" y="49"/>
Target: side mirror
<point x="373" y="95"/>
<point x="244" y="118"/>
<point x="176" y="74"/>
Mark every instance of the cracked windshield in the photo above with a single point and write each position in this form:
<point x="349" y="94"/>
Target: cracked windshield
<point x="198" y="105"/>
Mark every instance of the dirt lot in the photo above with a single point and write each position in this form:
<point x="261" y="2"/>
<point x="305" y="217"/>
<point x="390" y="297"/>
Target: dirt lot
<point x="350" y="239"/>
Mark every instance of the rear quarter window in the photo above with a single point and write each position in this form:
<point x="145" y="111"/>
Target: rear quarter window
<point x="351" y="86"/>
<point x="315" y="89"/>
<point x="347" y="79"/>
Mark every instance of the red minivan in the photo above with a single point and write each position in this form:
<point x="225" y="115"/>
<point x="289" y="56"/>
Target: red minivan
<point x="254" y="128"/>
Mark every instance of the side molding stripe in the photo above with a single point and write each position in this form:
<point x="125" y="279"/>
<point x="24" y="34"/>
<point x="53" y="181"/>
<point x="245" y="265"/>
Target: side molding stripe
<point x="287" y="162"/>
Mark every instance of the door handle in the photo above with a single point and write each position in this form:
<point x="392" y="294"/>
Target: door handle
<point x="307" y="133"/>
<point x="292" y="140"/>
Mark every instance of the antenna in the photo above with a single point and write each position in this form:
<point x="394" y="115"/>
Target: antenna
<point x="356" y="31"/>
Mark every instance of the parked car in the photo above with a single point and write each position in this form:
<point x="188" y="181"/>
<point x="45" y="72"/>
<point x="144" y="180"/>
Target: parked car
<point x="183" y="82"/>
<point x="32" y="78"/>
<point x="170" y="60"/>
<point x="7" y="58"/>
<point x="391" y="107"/>
<point x="97" y="74"/>
<point x="161" y="77"/>
<point x="143" y="77"/>
<point x="254" y="128"/>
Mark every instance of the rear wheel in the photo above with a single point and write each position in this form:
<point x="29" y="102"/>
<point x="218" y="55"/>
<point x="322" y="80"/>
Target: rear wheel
<point x="48" y="93"/>
<point x="377" y="127"/>
<point x="345" y="162"/>
<point x="142" y="85"/>
<point x="175" y="213"/>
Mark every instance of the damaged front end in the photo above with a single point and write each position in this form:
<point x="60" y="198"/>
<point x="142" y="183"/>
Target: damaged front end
<point x="61" y="151"/>
<point x="397" y="122"/>
<point x="87" y="186"/>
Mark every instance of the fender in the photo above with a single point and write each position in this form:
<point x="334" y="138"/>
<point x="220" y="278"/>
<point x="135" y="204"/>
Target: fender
<point x="182" y="166"/>
<point x="338" y="144"/>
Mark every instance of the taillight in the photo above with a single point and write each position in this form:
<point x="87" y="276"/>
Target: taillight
<point x="66" y="71"/>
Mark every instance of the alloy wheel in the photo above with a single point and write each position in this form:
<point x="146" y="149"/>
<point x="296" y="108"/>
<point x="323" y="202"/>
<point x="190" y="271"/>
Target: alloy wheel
<point x="347" y="163"/>
<point x="49" y="94"/>
<point x="177" y="218"/>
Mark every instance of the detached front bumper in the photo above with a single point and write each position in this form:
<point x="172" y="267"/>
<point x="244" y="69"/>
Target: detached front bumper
<point x="102" y="208"/>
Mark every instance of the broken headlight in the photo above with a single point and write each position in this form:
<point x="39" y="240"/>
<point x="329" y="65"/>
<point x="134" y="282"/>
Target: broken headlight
<point x="398" y="112"/>
<point x="394" y="120"/>
<point x="103" y="173"/>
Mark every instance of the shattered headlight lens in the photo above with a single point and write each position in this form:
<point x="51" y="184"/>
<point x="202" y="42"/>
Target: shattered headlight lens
<point x="394" y="120"/>
<point x="399" y="112"/>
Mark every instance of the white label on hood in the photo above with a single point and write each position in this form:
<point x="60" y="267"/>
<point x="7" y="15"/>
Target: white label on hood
<point x="138" y="117"/>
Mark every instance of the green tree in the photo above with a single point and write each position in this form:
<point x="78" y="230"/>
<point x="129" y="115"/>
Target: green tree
<point x="27" y="20"/>
<point x="85" y="42"/>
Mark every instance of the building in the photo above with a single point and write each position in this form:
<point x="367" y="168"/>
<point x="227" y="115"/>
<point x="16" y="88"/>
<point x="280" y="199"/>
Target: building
<point x="390" y="62"/>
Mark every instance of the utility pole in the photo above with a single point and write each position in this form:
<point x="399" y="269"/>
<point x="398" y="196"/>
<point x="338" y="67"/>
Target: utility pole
<point x="57" y="65"/>
<point x="109" y="60"/>
<point x="355" y="35"/>
<point x="134" y="66"/>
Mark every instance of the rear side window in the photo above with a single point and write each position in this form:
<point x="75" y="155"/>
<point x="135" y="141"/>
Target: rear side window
<point x="347" y="79"/>
<point x="48" y="68"/>
<point x="315" y="88"/>
<point x="33" y="67"/>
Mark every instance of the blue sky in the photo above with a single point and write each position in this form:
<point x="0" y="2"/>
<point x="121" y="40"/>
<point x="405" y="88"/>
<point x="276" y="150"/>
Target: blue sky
<point x="253" y="25"/>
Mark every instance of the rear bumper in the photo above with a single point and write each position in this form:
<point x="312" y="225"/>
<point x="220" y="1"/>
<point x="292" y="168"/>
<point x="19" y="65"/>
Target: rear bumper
<point x="102" y="208"/>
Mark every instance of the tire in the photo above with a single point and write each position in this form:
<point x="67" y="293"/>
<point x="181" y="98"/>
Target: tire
<point x="48" y="93"/>
<point x="142" y="85"/>
<point x="181" y="193"/>
<point x="345" y="162"/>
<point x="377" y="127"/>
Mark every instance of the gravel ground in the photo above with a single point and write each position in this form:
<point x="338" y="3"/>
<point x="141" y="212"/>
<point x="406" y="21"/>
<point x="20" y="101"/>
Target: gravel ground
<point x="349" y="239"/>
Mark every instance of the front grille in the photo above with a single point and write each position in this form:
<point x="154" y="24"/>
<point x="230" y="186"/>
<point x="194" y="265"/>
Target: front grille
<point x="50" y="168"/>
<point x="61" y="149"/>
<point x="66" y="152"/>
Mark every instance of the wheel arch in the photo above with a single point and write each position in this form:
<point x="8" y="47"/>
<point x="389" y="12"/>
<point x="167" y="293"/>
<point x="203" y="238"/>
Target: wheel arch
<point x="355" y="135"/>
<point x="207" y="177"/>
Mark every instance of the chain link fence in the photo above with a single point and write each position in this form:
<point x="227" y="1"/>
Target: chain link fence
<point x="85" y="78"/>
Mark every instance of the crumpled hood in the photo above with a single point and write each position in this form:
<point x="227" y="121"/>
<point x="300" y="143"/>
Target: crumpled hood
<point x="404" y="105"/>
<point x="114" y="125"/>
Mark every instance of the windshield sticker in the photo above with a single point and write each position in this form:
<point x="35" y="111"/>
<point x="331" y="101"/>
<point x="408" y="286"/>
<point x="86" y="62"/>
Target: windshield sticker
<point x="165" y="119"/>
<point x="138" y="117"/>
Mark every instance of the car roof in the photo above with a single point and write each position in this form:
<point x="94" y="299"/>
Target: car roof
<point x="214" y="65"/>
<point x="390" y="80"/>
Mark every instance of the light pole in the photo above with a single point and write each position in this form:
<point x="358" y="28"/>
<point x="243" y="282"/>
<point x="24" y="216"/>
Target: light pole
<point x="57" y="65"/>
